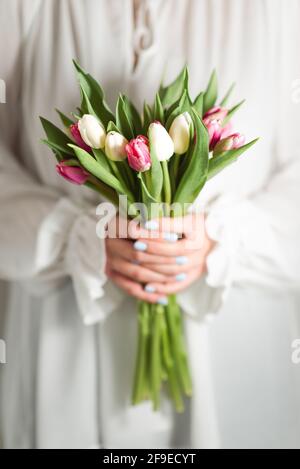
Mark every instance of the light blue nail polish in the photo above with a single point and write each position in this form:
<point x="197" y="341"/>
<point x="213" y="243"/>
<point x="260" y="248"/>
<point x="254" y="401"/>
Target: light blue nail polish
<point x="181" y="277"/>
<point x="140" y="246"/>
<point x="171" y="237"/>
<point x="150" y="289"/>
<point x="151" y="225"/>
<point x="181" y="260"/>
<point x="162" y="301"/>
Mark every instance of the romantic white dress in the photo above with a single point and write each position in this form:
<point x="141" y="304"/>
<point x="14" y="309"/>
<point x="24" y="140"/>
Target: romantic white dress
<point x="70" y="333"/>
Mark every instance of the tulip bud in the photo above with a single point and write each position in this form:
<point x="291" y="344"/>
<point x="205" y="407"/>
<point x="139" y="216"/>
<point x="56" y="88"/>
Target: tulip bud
<point x="229" y="143"/>
<point x="216" y="113"/>
<point x="227" y="130"/>
<point x="138" y="154"/>
<point x="73" y="174"/>
<point x="115" y="146"/>
<point x="181" y="131"/>
<point x="214" y="132"/>
<point x="74" y="130"/>
<point x="160" y="141"/>
<point x="92" y="131"/>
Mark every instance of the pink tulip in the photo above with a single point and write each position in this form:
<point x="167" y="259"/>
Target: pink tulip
<point x="74" y="129"/>
<point x="214" y="131"/>
<point x="227" y="130"/>
<point x="216" y="113"/>
<point x="73" y="174"/>
<point x="138" y="154"/>
<point x="232" y="142"/>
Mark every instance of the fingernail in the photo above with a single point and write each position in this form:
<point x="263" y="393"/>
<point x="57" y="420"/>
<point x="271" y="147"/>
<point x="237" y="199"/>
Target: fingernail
<point x="151" y="225"/>
<point x="140" y="246"/>
<point x="181" y="260"/>
<point x="181" y="277"/>
<point x="136" y="262"/>
<point x="162" y="301"/>
<point x="171" y="237"/>
<point x="150" y="289"/>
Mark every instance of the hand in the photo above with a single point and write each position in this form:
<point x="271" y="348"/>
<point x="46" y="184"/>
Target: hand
<point x="150" y="264"/>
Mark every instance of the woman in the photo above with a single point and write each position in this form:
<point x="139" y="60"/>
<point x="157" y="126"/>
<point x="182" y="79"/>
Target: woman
<point x="71" y="329"/>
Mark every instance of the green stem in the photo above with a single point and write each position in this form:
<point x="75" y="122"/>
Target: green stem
<point x="176" y="334"/>
<point x="183" y="365"/>
<point x="171" y="372"/>
<point x="167" y="183"/>
<point x="155" y="363"/>
<point x="142" y="352"/>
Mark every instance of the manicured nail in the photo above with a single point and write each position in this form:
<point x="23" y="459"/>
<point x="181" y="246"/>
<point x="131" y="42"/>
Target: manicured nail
<point x="162" y="301"/>
<point x="181" y="277"/>
<point x="171" y="237"/>
<point x="181" y="260"/>
<point x="150" y="289"/>
<point x="140" y="246"/>
<point x="151" y="225"/>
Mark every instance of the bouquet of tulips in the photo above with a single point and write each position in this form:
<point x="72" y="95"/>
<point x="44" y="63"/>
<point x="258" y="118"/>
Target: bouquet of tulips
<point x="160" y="159"/>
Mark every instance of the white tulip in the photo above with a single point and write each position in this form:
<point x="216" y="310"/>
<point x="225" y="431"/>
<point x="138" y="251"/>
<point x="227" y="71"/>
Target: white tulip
<point x="115" y="146"/>
<point x="180" y="132"/>
<point x="160" y="141"/>
<point x="92" y="131"/>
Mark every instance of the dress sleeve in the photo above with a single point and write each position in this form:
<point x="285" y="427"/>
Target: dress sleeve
<point x="45" y="238"/>
<point x="257" y="238"/>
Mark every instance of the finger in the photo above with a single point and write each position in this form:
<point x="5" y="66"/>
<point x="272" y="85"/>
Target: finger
<point x="187" y="225"/>
<point x="180" y="248"/>
<point x="174" y="287"/>
<point x="136" y="272"/>
<point x="126" y="250"/>
<point x="133" y="289"/>
<point x="184" y="264"/>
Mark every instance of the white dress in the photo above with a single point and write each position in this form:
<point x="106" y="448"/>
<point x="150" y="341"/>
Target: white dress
<point x="70" y="334"/>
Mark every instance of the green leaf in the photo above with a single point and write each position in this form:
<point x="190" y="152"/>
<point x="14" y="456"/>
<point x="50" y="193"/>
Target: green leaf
<point x="148" y="118"/>
<point x="158" y="110"/>
<point x="66" y="121"/>
<point x="147" y="197"/>
<point x="122" y="119"/>
<point x="227" y="95"/>
<point x="198" y="103"/>
<point x="171" y="93"/>
<point x="55" y="135"/>
<point x="195" y="174"/>
<point x="112" y="127"/>
<point x="60" y="152"/>
<point x="211" y="93"/>
<point x="156" y="174"/>
<point x="97" y="170"/>
<point x="95" y="95"/>
<point x="101" y="158"/>
<point x="183" y="106"/>
<point x="133" y="115"/>
<point x="220" y="162"/>
<point x="231" y="112"/>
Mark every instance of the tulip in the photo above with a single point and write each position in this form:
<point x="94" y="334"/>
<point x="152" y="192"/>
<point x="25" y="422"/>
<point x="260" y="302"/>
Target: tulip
<point x="74" y="130"/>
<point x="92" y="131"/>
<point x="227" y="130"/>
<point x="216" y="113"/>
<point x="138" y="154"/>
<point x="180" y="132"/>
<point x="73" y="174"/>
<point x="214" y="132"/>
<point x="232" y="142"/>
<point x="115" y="146"/>
<point x="160" y="141"/>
